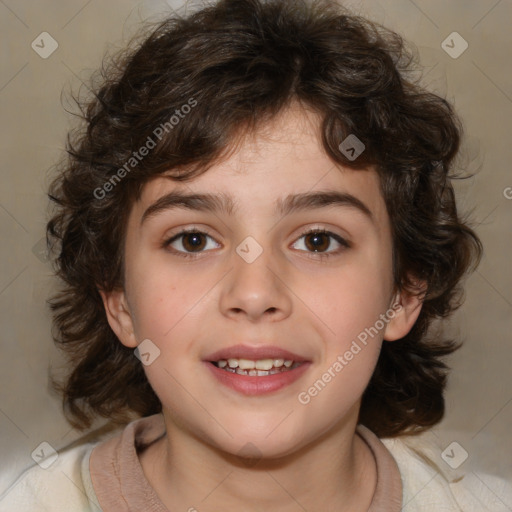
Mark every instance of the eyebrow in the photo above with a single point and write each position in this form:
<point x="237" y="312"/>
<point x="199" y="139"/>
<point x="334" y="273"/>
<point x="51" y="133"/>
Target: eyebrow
<point x="224" y="203"/>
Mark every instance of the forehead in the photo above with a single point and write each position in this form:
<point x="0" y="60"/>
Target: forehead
<point x="282" y="157"/>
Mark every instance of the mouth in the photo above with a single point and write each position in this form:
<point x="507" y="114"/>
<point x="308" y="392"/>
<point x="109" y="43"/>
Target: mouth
<point x="256" y="370"/>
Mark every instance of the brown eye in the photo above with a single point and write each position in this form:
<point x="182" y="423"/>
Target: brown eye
<point x="189" y="243"/>
<point x="317" y="242"/>
<point x="193" y="241"/>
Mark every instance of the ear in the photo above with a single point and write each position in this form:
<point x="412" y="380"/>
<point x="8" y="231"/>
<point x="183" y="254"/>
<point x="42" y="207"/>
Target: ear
<point x="406" y="306"/>
<point x="119" y="316"/>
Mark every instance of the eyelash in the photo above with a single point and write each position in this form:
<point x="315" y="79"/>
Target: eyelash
<point x="321" y="255"/>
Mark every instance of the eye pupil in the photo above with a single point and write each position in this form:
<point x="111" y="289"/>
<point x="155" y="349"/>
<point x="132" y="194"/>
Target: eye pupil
<point x="195" y="239"/>
<point x="317" y="239"/>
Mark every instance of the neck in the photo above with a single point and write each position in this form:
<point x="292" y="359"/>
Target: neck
<point x="335" y="472"/>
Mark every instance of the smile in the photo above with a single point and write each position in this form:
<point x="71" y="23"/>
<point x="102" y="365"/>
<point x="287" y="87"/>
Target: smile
<point x="253" y="381"/>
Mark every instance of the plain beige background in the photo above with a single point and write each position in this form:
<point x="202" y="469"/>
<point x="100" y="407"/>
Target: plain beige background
<point x="33" y="128"/>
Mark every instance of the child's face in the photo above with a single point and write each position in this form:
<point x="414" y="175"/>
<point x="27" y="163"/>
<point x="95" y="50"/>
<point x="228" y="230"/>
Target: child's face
<point x="288" y="296"/>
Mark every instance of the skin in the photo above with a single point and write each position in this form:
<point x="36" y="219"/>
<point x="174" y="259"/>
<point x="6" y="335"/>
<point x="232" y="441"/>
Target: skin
<point x="309" y="455"/>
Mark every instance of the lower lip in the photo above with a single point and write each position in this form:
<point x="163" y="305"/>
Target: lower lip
<point x="257" y="385"/>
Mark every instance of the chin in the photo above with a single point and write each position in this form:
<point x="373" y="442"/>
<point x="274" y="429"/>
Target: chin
<point x="260" y="446"/>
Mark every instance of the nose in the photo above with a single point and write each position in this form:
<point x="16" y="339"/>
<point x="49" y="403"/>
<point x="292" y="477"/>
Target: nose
<point x="256" y="291"/>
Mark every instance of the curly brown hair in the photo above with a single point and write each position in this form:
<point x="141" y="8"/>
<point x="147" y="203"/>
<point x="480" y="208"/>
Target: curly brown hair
<point x="236" y="64"/>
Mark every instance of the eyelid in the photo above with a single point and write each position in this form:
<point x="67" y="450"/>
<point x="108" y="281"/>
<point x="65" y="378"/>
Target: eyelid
<point x="326" y="230"/>
<point x="191" y="229"/>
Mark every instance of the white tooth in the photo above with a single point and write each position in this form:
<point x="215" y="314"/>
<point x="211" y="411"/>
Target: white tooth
<point x="274" y="371"/>
<point x="245" y="364"/>
<point x="233" y="363"/>
<point x="278" y="363"/>
<point x="240" y="371"/>
<point x="264" y="364"/>
<point x="288" y="363"/>
<point x="253" y="372"/>
<point x="262" y="373"/>
<point x="222" y="363"/>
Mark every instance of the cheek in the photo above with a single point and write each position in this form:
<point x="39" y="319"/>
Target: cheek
<point x="352" y="330"/>
<point x="349" y="302"/>
<point x="163" y="298"/>
<point x="349" y="310"/>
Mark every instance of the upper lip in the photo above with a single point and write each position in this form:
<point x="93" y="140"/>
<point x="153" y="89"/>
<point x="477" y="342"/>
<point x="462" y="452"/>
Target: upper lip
<point x="255" y="353"/>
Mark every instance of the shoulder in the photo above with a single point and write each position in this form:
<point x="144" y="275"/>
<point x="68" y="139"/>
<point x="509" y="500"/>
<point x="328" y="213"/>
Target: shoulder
<point x="60" y="482"/>
<point x="430" y="484"/>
